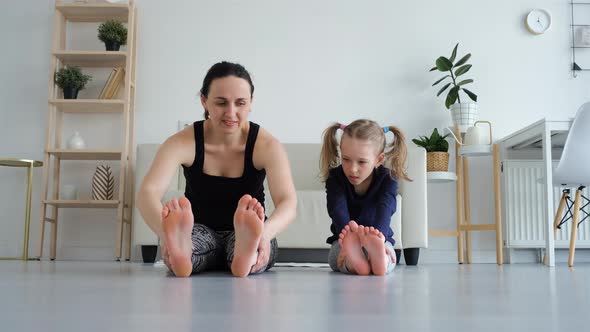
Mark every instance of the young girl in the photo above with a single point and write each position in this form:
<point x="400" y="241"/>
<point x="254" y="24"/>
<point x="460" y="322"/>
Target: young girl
<point x="361" y="195"/>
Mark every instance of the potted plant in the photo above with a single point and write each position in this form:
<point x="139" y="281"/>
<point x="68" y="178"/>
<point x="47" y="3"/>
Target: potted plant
<point x="437" y="156"/>
<point x="113" y="34"/>
<point x="464" y="113"/>
<point x="71" y="80"/>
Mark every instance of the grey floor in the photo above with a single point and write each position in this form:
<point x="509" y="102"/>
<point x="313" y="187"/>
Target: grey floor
<point x="104" y="296"/>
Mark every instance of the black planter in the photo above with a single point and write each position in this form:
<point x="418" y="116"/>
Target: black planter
<point x="148" y="253"/>
<point x="70" y="93"/>
<point x="112" y="45"/>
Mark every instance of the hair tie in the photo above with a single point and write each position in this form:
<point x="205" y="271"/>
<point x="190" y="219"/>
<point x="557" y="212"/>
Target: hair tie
<point x="342" y="126"/>
<point x="385" y="130"/>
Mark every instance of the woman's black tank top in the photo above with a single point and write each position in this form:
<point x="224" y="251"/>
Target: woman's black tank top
<point x="214" y="198"/>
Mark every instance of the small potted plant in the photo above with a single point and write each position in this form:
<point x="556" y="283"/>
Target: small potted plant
<point x="437" y="156"/>
<point x="113" y="34"/>
<point x="463" y="113"/>
<point x="71" y="80"/>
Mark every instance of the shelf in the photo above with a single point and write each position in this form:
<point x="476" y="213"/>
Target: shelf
<point x="93" y="12"/>
<point x="95" y="154"/>
<point x="475" y="150"/>
<point x="101" y="59"/>
<point x="83" y="204"/>
<point x="441" y="177"/>
<point x="88" y="105"/>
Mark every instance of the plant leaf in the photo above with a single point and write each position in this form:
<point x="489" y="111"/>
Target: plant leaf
<point x="463" y="60"/>
<point x="443" y="89"/>
<point x="462" y="70"/>
<point x="454" y="54"/>
<point x="465" y="82"/>
<point x="471" y="95"/>
<point x="445" y="145"/>
<point x="452" y="96"/>
<point x="433" y="68"/>
<point x="435" y="136"/>
<point x="440" y="80"/>
<point x="443" y="64"/>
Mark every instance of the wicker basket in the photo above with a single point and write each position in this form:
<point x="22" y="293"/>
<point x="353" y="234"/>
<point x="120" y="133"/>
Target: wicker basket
<point x="437" y="162"/>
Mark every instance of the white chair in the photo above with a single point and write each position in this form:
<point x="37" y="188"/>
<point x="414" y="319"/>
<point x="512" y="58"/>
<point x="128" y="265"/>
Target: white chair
<point x="573" y="170"/>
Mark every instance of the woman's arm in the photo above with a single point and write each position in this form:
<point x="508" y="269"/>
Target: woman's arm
<point x="171" y="154"/>
<point x="271" y="156"/>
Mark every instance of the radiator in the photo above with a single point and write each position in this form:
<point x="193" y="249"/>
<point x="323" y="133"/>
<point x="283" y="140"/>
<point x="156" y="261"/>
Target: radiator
<point x="523" y="207"/>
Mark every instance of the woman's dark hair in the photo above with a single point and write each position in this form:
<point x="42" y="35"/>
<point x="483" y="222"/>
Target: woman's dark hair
<point x="224" y="69"/>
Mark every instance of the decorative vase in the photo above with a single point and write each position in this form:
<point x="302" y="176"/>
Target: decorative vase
<point x="437" y="162"/>
<point x="69" y="192"/>
<point x="464" y="115"/>
<point x="103" y="183"/>
<point x="76" y="142"/>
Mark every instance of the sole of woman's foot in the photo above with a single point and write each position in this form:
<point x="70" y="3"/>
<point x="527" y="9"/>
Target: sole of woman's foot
<point x="177" y="226"/>
<point x="248" y="225"/>
<point x="374" y="243"/>
<point x="354" y="258"/>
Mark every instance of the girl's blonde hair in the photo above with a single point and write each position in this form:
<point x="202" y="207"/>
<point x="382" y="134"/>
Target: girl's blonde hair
<point x="363" y="129"/>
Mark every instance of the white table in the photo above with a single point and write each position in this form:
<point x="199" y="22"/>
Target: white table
<point x="539" y="136"/>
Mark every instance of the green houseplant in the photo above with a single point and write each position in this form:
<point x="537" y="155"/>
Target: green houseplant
<point x="113" y="34"/>
<point x="437" y="156"/>
<point x="71" y="80"/>
<point x="463" y="113"/>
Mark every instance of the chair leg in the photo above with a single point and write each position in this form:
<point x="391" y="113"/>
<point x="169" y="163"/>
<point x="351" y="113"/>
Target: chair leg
<point x="574" y="233"/>
<point x="557" y="219"/>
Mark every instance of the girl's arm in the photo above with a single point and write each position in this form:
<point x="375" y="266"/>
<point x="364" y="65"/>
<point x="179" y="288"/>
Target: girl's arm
<point x="337" y="203"/>
<point x="386" y="204"/>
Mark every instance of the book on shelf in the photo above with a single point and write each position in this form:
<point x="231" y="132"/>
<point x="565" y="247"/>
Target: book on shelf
<point x="113" y="84"/>
<point x="107" y="83"/>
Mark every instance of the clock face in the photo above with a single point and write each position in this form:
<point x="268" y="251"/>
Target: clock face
<point x="538" y="21"/>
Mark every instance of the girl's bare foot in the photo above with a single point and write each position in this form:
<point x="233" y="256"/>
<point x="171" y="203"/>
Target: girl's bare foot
<point x="177" y="225"/>
<point x="374" y="242"/>
<point x="352" y="254"/>
<point x="248" y="225"/>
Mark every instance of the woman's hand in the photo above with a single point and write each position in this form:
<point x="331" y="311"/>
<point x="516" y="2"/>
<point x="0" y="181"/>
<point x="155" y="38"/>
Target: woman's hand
<point x="164" y="252"/>
<point x="263" y="255"/>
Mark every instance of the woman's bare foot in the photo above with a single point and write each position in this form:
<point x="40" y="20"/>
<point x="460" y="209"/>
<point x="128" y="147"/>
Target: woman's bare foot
<point x="177" y="225"/>
<point x="374" y="242"/>
<point x="248" y="225"/>
<point x="352" y="254"/>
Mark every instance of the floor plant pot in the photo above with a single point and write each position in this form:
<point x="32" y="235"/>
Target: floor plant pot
<point x="464" y="115"/>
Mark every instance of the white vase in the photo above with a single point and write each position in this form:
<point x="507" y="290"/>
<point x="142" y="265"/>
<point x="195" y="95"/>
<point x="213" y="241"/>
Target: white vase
<point x="464" y="115"/>
<point x="76" y="142"/>
<point x="69" y="192"/>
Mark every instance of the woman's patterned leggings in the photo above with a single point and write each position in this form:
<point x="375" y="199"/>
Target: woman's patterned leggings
<point x="214" y="250"/>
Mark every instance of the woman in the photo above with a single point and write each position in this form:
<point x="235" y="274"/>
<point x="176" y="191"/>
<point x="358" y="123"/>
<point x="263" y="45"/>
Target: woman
<point x="221" y="222"/>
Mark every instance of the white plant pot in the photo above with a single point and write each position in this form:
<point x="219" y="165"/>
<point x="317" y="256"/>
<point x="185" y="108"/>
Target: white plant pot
<point x="464" y="115"/>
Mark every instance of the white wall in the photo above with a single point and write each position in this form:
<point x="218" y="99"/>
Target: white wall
<point x="312" y="62"/>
